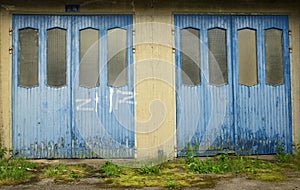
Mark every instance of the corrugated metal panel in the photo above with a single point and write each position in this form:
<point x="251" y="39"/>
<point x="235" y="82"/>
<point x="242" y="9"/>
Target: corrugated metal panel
<point x="41" y="115"/>
<point x="262" y="111"/>
<point x="104" y="125"/>
<point x="203" y="111"/>
<point x="233" y="117"/>
<point x="47" y="122"/>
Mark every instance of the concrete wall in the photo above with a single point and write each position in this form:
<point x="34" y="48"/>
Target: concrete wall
<point x="155" y="109"/>
<point x="155" y="87"/>
<point x="5" y="77"/>
<point x="294" y="20"/>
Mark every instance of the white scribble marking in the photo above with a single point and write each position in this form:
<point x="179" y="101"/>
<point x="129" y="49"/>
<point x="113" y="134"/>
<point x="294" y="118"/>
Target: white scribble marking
<point x="82" y="103"/>
<point x="97" y="101"/>
<point x="117" y="97"/>
<point x="127" y="99"/>
<point x="111" y="93"/>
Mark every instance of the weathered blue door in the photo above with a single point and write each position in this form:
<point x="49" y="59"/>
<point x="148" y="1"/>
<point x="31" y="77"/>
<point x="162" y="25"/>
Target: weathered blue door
<point x="59" y="110"/>
<point x="41" y="104"/>
<point x="232" y="86"/>
<point x="204" y="84"/>
<point x="261" y="84"/>
<point x="103" y="88"/>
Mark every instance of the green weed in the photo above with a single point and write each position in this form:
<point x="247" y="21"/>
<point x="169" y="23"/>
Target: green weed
<point x="15" y="170"/>
<point x="226" y="163"/>
<point x="298" y="159"/>
<point x="207" y="166"/>
<point x="3" y="151"/>
<point x="66" y="172"/>
<point x="110" y="169"/>
<point x="73" y="174"/>
<point x="56" y="170"/>
<point x="172" y="175"/>
<point x="281" y="155"/>
<point x="171" y="184"/>
<point x="150" y="169"/>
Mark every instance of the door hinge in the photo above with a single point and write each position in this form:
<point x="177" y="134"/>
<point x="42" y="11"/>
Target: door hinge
<point x="133" y="39"/>
<point x="10" y="31"/>
<point x="290" y="42"/>
<point x="173" y="50"/>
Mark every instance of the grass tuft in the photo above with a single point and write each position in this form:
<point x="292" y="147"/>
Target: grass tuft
<point x="15" y="171"/>
<point x="66" y="172"/>
<point x="150" y="169"/>
<point x="171" y="184"/>
<point x="281" y="155"/>
<point x="227" y="164"/>
<point x="110" y="169"/>
<point x="3" y="151"/>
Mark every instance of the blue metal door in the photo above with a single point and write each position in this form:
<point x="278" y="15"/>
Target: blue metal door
<point x="249" y="111"/>
<point x="262" y="108"/>
<point x="53" y="116"/>
<point x="41" y="111"/>
<point x="103" y="111"/>
<point x="204" y="111"/>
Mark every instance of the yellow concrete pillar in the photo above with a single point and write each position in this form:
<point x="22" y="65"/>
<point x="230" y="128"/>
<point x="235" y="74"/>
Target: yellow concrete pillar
<point x="5" y="77"/>
<point x="294" y="25"/>
<point x="154" y="85"/>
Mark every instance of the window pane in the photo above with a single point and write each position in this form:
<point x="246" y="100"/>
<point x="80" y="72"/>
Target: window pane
<point x="190" y="56"/>
<point x="89" y="58"/>
<point x="56" y="57"/>
<point x="247" y="57"/>
<point x="28" y="56"/>
<point x="217" y="56"/>
<point x="274" y="65"/>
<point x="117" y="72"/>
